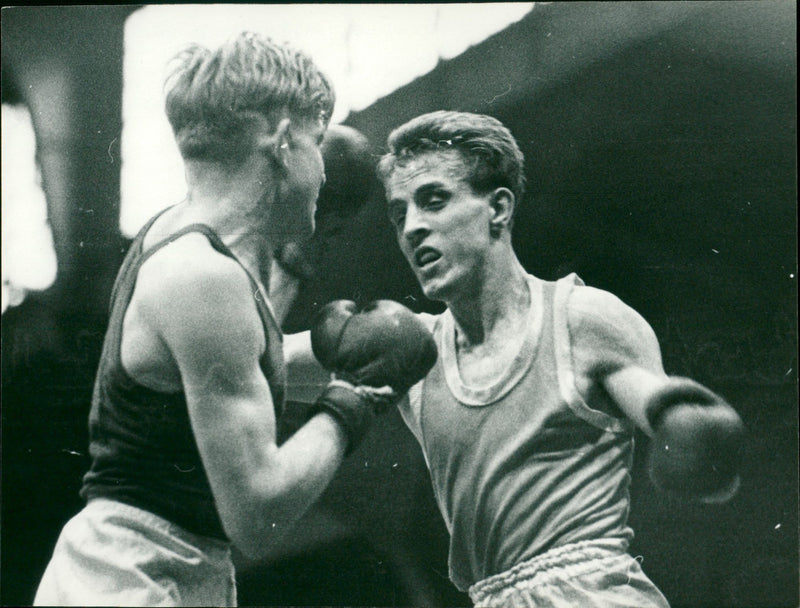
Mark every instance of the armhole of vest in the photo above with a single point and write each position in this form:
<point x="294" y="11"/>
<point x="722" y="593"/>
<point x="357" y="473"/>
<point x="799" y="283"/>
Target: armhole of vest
<point x="126" y="280"/>
<point x="410" y="409"/>
<point x="263" y="304"/>
<point x="411" y="412"/>
<point x="267" y="314"/>
<point x="564" y="363"/>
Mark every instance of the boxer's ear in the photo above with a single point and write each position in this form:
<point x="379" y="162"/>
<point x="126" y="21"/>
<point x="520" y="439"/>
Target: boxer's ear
<point x="501" y="201"/>
<point x="276" y="144"/>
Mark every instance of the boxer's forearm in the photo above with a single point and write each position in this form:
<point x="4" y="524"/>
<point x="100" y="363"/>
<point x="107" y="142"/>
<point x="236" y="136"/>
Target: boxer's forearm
<point x="305" y="376"/>
<point x="696" y="437"/>
<point x="630" y="388"/>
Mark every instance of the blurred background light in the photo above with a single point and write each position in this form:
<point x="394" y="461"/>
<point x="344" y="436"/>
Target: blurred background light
<point x="28" y="256"/>
<point x="368" y="51"/>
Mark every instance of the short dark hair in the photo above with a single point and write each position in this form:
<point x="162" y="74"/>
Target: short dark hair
<point x="490" y="151"/>
<point x="214" y="97"/>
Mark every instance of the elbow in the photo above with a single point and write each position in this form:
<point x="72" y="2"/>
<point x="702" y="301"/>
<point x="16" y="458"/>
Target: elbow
<point x="257" y="526"/>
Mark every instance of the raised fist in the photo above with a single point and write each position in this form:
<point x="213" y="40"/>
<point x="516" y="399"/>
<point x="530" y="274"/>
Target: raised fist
<point x="384" y="344"/>
<point x="376" y="355"/>
<point x="696" y="448"/>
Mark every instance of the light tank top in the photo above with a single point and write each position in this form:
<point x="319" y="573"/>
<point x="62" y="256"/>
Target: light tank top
<point x="524" y="465"/>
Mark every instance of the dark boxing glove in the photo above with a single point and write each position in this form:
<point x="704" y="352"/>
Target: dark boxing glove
<point x="384" y="344"/>
<point x="695" y="451"/>
<point x="349" y="171"/>
<point x="376" y="355"/>
<point x="351" y="185"/>
<point x="349" y="178"/>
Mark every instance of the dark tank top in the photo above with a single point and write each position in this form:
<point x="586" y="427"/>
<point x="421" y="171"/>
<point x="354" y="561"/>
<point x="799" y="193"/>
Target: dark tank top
<point x="141" y="442"/>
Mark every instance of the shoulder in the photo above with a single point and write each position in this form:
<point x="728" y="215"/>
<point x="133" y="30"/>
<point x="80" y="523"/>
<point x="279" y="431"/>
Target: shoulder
<point x="189" y="267"/>
<point x="189" y="284"/>
<point x="597" y="309"/>
<point x="607" y="331"/>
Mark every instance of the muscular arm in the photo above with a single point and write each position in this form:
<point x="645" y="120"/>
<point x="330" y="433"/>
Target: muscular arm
<point x="616" y="354"/>
<point x="696" y="435"/>
<point x="202" y="306"/>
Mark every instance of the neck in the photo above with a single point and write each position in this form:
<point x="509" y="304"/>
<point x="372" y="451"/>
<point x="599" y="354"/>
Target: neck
<point x="497" y="301"/>
<point x="233" y="203"/>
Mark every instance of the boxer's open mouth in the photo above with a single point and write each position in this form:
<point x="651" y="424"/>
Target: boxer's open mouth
<point x="425" y="255"/>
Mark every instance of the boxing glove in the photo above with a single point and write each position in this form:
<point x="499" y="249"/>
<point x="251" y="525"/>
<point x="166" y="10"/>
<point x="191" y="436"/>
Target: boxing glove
<point x="349" y="180"/>
<point x="375" y="354"/>
<point x="696" y="448"/>
<point x="384" y="344"/>
<point x="349" y="171"/>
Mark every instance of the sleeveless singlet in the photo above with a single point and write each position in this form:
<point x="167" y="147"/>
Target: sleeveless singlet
<point x="143" y="450"/>
<point x="524" y="465"/>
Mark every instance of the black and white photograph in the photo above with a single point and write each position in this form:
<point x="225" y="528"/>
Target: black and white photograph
<point x="430" y="305"/>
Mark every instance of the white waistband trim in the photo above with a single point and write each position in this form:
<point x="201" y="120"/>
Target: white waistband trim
<point x="571" y="554"/>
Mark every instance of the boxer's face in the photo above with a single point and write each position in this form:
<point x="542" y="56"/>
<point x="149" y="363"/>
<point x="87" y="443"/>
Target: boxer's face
<point x="442" y="224"/>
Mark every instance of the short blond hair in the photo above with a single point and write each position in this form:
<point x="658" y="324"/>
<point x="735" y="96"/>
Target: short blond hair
<point x="214" y="97"/>
<point x="490" y="152"/>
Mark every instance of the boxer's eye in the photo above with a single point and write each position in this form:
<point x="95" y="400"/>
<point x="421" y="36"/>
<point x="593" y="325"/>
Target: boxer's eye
<point x="433" y="200"/>
<point x="397" y="215"/>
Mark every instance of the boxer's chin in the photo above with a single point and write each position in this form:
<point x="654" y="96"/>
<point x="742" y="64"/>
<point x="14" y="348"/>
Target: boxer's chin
<point x="434" y="287"/>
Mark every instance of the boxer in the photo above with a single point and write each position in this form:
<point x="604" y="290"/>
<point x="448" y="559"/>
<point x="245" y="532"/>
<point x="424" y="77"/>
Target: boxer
<point x="527" y="418"/>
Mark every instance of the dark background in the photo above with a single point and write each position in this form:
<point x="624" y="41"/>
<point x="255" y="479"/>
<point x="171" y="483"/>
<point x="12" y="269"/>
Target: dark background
<point x="660" y="141"/>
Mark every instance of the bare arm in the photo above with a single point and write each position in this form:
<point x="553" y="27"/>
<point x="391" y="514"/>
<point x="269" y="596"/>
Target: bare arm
<point x="696" y="437"/>
<point x="202" y="307"/>
<point x="616" y="354"/>
<point x="305" y="376"/>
